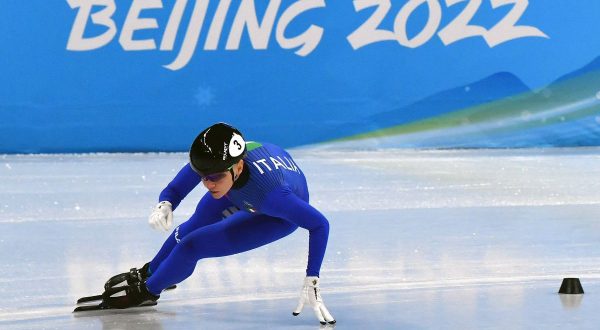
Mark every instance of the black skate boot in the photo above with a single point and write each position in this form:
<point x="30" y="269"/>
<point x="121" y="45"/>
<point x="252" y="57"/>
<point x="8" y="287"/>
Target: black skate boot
<point x="141" y="274"/>
<point x="121" y="291"/>
<point x="145" y="271"/>
<point x="136" y="294"/>
<point x="116" y="284"/>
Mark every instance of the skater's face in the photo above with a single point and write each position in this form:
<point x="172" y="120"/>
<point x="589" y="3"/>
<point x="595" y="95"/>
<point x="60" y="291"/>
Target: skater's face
<point x="218" y="184"/>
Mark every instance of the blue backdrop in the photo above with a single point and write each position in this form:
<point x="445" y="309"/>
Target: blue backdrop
<point x="148" y="75"/>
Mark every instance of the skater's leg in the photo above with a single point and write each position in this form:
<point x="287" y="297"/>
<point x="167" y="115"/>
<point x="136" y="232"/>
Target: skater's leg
<point x="238" y="233"/>
<point x="208" y="211"/>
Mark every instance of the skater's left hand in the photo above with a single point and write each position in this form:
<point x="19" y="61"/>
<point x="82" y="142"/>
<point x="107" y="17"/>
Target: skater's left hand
<point x="311" y="294"/>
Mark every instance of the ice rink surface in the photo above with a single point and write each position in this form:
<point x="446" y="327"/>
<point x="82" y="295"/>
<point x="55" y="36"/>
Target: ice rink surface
<point x="430" y="239"/>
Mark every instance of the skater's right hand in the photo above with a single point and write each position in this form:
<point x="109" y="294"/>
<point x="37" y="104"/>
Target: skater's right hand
<point x="162" y="216"/>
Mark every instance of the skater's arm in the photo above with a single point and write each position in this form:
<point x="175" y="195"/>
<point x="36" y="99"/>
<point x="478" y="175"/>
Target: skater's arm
<point x="184" y="182"/>
<point x="283" y="203"/>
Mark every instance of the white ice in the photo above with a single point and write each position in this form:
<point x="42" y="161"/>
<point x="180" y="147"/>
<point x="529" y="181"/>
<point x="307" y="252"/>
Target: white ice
<point x="429" y="239"/>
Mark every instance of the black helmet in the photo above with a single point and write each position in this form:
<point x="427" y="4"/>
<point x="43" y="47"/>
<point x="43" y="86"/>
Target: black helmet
<point x="216" y="149"/>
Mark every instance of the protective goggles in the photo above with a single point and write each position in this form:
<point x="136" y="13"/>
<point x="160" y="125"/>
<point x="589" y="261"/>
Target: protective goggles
<point x="214" y="177"/>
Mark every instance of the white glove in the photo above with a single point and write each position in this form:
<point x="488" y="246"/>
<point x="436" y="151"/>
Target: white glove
<point x="311" y="294"/>
<point x="162" y="216"/>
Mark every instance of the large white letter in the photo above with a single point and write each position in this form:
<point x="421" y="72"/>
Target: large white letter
<point x="246" y="16"/>
<point x="369" y="32"/>
<point x="309" y="40"/>
<point x="214" y="32"/>
<point x="191" y="36"/>
<point x="507" y="29"/>
<point x="133" y="22"/>
<point x="76" y="40"/>
<point x="459" y="28"/>
<point x="173" y="25"/>
<point x="435" y="17"/>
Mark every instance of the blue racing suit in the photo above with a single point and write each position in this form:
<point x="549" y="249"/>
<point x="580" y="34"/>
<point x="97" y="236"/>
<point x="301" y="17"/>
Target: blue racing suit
<point x="267" y="202"/>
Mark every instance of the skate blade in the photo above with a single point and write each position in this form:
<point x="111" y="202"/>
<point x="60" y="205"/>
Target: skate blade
<point x="102" y="307"/>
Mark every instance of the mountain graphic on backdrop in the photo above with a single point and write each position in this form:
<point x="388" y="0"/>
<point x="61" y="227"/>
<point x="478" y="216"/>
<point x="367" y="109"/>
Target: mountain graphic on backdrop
<point x="564" y="113"/>
<point x="497" y="86"/>
<point x="591" y="67"/>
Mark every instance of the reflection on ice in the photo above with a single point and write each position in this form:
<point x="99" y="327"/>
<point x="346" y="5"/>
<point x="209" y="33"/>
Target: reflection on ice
<point x="571" y="301"/>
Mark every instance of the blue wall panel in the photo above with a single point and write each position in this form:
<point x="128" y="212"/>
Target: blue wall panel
<point x="147" y="75"/>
